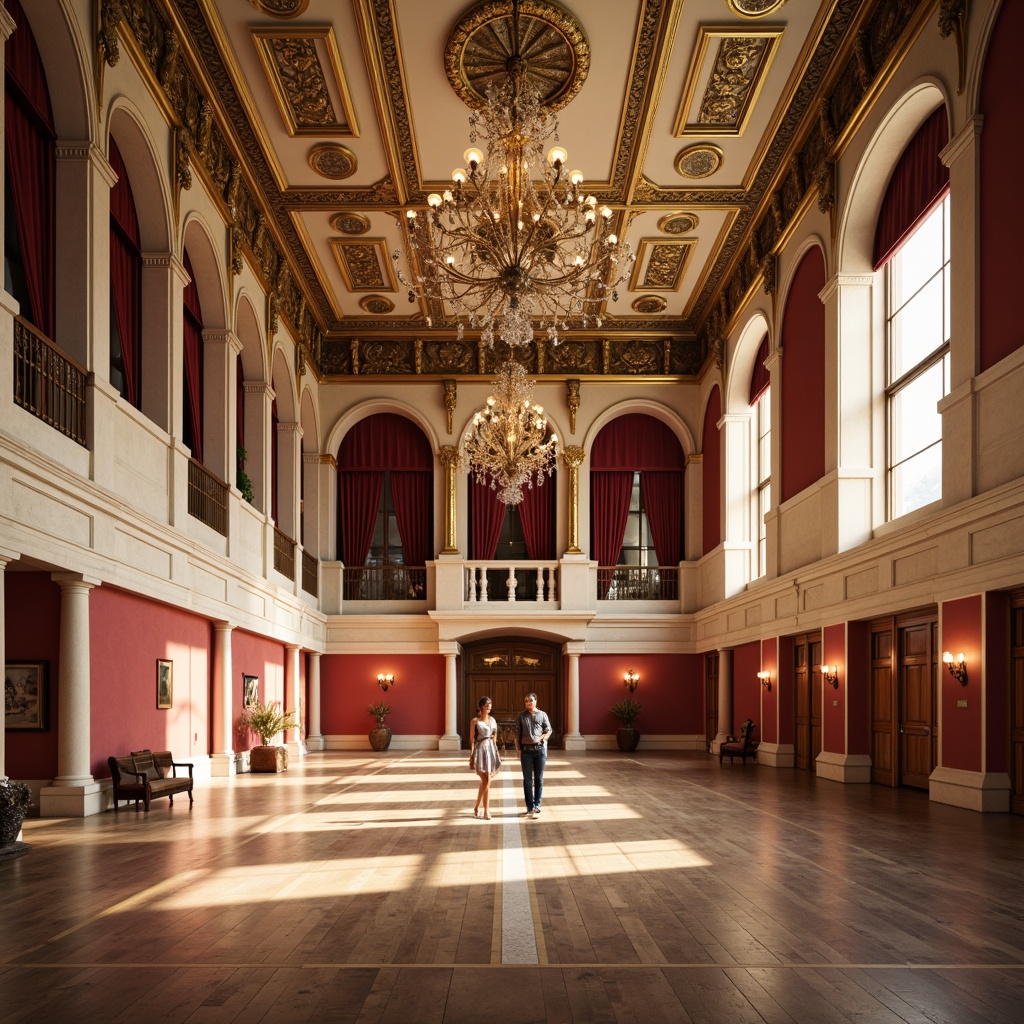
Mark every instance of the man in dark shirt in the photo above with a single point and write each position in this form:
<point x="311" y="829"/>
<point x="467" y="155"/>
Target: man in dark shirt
<point x="533" y="727"/>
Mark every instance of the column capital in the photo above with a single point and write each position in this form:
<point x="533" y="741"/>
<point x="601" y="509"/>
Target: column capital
<point x="449" y="455"/>
<point x="72" y="579"/>
<point x="573" y="455"/>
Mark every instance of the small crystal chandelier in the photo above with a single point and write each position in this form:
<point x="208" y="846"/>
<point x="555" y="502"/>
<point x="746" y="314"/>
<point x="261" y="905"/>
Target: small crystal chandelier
<point x="501" y="249"/>
<point x="507" y="446"/>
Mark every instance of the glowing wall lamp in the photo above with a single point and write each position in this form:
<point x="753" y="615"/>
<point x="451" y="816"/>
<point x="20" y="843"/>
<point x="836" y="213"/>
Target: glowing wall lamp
<point x="830" y="673"/>
<point x="384" y="681"/>
<point x="957" y="666"/>
<point x="632" y="680"/>
<point x="766" y="679"/>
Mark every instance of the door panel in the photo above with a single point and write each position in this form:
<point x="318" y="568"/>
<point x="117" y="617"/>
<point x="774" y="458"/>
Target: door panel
<point x="917" y="704"/>
<point x="710" y="698"/>
<point x="807" y="701"/>
<point x="883" y="729"/>
<point x="1017" y="706"/>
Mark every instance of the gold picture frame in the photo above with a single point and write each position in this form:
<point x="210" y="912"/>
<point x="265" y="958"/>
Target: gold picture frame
<point x="164" y="683"/>
<point x="25" y="695"/>
<point x="250" y="690"/>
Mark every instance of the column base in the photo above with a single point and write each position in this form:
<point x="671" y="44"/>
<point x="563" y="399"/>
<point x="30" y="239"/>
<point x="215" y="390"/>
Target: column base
<point x="975" y="791"/>
<point x="774" y="755"/>
<point x="314" y="743"/>
<point x="854" y="768"/>
<point x="296" y="748"/>
<point x="223" y="765"/>
<point x="717" y="742"/>
<point x="575" y="741"/>
<point x="78" y="801"/>
<point x="450" y="743"/>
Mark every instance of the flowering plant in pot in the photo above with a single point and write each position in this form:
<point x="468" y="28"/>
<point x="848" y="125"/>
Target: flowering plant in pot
<point x="627" y="737"/>
<point x="15" y="798"/>
<point x="267" y="720"/>
<point x="380" y="734"/>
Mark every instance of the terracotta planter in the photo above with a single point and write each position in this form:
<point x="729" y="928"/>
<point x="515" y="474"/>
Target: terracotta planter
<point x="268" y="759"/>
<point x="380" y="738"/>
<point x="628" y="739"/>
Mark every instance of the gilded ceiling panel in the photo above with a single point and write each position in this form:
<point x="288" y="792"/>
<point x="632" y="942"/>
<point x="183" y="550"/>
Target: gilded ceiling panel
<point x="364" y="264"/>
<point x="660" y="264"/>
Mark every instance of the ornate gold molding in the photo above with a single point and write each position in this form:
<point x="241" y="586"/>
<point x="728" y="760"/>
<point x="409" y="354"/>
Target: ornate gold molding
<point x="572" y="397"/>
<point x="449" y="456"/>
<point x="451" y="391"/>
<point x="573" y="456"/>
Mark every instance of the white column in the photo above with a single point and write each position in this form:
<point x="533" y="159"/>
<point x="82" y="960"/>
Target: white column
<point x="222" y="762"/>
<point x="258" y="399"/>
<point x="293" y="699"/>
<point x="314" y="738"/>
<point x="289" y="444"/>
<point x="450" y="740"/>
<point x="724" y="698"/>
<point x="573" y="739"/>
<point x="220" y="353"/>
<point x="74" y="792"/>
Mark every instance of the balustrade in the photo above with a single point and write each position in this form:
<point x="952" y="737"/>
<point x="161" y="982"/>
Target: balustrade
<point x="207" y="497"/>
<point x="48" y="383"/>
<point x="522" y="582"/>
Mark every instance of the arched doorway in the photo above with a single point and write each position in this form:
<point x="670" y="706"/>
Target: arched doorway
<point x="506" y="669"/>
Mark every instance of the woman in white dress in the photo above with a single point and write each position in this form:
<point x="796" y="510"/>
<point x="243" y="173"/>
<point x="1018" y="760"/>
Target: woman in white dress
<point x="484" y="758"/>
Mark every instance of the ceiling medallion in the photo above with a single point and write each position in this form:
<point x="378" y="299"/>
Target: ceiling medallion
<point x="332" y="160"/>
<point x="350" y="223"/>
<point x="649" y="304"/>
<point x="551" y="49"/>
<point x="376" y="304"/>
<point x="281" y="8"/>
<point x="678" y="223"/>
<point x="754" y="8"/>
<point x="699" y="161"/>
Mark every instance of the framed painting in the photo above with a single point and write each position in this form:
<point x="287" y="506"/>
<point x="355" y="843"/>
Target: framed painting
<point x="164" y="683"/>
<point x="250" y="691"/>
<point x="25" y="695"/>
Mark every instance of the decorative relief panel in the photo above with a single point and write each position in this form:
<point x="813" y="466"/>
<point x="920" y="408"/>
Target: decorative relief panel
<point x="699" y="161"/>
<point x="678" y="223"/>
<point x="350" y="223"/>
<point x="649" y="304"/>
<point x="376" y="304"/>
<point x="754" y="8"/>
<point x="660" y="264"/>
<point x="738" y="66"/>
<point x="332" y="160"/>
<point x="281" y="8"/>
<point x="296" y="60"/>
<point x="364" y="264"/>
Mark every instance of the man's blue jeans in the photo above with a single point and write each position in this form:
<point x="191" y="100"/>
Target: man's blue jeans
<point x="533" y="762"/>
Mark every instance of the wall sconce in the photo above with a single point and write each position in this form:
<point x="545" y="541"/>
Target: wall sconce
<point x="384" y="681"/>
<point x="957" y="666"/>
<point x="766" y="680"/>
<point x="632" y="680"/>
<point x="830" y="673"/>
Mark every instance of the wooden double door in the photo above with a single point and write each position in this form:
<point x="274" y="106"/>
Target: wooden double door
<point x="1016" y="715"/>
<point x="506" y="670"/>
<point x="807" y="739"/>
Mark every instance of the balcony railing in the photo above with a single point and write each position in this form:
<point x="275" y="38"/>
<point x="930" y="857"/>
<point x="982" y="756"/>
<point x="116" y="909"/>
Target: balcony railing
<point x="384" y="583"/>
<point x="207" y="497"/>
<point x="637" y="583"/>
<point x="310" y="573"/>
<point x="284" y="554"/>
<point x="526" y="581"/>
<point x="48" y="383"/>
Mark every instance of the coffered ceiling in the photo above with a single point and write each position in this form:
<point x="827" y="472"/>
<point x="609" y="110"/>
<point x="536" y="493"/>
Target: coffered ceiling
<point x="705" y="124"/>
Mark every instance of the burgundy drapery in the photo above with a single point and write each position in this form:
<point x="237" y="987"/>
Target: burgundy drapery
<point x="759" y="378"/>
<point x="126" y="273"/>
<point x="411" y="493"/>
<point x="537" y="514"/>
<point x="918" y="184"/>
<point x="359" y="492"/>
<point x="609" y="510"/>
<point x="193" y="360"/>
<point x="486" y="516"/>
<point x="663" y="499"/>
<point x="29" y="138"/>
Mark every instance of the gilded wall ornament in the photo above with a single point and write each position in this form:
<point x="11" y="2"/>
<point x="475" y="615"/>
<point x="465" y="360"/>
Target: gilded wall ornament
<point x="754" y="8"/>
<point x="649" y="304"/>
<point x="376" y="304"/>
<point x="699" y="161"/>
<point x="678" y="223"/>
<point x="349" y="223"/>
<point x="572" y="398"/>
<point x="451" y="394"/>
<point x="332" y="160"/>
<point x="552" y="45"/>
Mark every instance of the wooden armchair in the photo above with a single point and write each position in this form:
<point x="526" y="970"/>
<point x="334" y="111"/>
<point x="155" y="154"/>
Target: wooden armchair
<point x="743" y="745"/>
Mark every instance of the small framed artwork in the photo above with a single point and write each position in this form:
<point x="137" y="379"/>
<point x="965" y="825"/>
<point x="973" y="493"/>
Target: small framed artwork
<point x="250" y="690"/>
<point x="25" y="695"/>
<point x="164" y="683"/>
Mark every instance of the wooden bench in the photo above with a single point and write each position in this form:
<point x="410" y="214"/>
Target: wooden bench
<point x="740" y="746"/>
<point x="142" y="775"/>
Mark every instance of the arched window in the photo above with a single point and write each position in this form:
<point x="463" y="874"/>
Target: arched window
<point x="636" y="489"/>
<point x="192" y="370"/>
<point x="761" y="402"/>
<point x="29" y="193"/>
<point x="385" y="509"/>
<point x="125" y="286"/>
<point x="912" y="247"/>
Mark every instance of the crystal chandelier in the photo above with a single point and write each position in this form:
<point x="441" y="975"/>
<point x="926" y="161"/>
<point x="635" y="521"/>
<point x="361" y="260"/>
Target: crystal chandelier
<point x="507" y="446"/>
<point x="516" y="239"/>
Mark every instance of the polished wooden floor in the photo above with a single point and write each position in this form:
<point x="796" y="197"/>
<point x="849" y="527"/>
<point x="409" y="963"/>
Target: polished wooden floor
<point x="653" y="887"/>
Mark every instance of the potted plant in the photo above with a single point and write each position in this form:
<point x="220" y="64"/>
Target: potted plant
<point x="15" y="798"/>
<point x="625" y="711"/>
<point x="380" y="734"/>
<point x="242" y="481"/>
<point x="267" y="720"/>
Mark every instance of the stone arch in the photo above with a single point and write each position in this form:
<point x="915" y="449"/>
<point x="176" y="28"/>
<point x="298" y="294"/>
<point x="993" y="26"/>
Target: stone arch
<point x="198" y="242"/>
<point x="742" y="363"/>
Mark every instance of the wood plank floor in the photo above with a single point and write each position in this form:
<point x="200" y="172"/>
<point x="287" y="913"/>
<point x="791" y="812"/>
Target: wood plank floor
<point x="653" y="887"/>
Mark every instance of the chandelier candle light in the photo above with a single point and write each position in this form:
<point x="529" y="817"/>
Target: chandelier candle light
<point x="507" y="446"/>
<point x="501" y="248"/>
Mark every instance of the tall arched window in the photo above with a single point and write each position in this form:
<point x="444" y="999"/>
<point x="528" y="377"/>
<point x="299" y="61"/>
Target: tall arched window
<point x="761" y="402"/>
<point x="125" y="286"/>
<point x="385" y="509"/>
<point x="192" y="370"/>
<point x="912" y="247"/>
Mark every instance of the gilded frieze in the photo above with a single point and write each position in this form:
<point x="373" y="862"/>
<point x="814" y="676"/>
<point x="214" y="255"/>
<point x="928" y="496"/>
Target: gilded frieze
<point x="637" y="357"/>
<point x="364" y="264"/>
<point x="386" y="358"/>
<point x="449" y="357"/>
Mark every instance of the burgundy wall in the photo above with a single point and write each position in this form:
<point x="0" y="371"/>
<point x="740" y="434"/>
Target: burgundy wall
<point x="856" y="686"/>
<point x="253" y="655"/>
<point x="1001" y="217"/>
<point x="961" y="631"/>
<point x="769" y="728"/>
<point x="803" y="378"/>
<point x="997" y="682"/>
<point x="671" y="691"/>
<point x="833" y="705"/>
<point x="711" y="474"/>
<point x="348" y="685"/>
<point x="32" y="633"/>
<point x="746" y="687"/>
<point x="127" y="635"/>
<point x="786" y="690"/>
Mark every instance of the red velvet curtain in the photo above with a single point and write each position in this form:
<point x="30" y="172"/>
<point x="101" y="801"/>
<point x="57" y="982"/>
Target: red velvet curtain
<point x="412" y="492"/>
<point x="609" y="510"/>
<point x="759" y="378"/>
<point x="126" y="273"/>
<point x="636" y="442"/>
<point x="29" y="137"/>
<point x="359" y="492"/>
<point x="193" y="359"/>
<point x="918" y="184"/>
<point x="663" y="499"/>
<point x="486" y="516"/>
<point x="537" y="514"/>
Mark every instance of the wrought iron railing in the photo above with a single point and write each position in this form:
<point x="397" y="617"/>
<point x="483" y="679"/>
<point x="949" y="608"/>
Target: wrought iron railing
<point x="310" y="573"/>
<point x="384" y="583"/>
<point x="207" y="497"/>
<point x="48" y="383"/>
<point x="637" y="583"/>
<point x="284" y="554"/>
